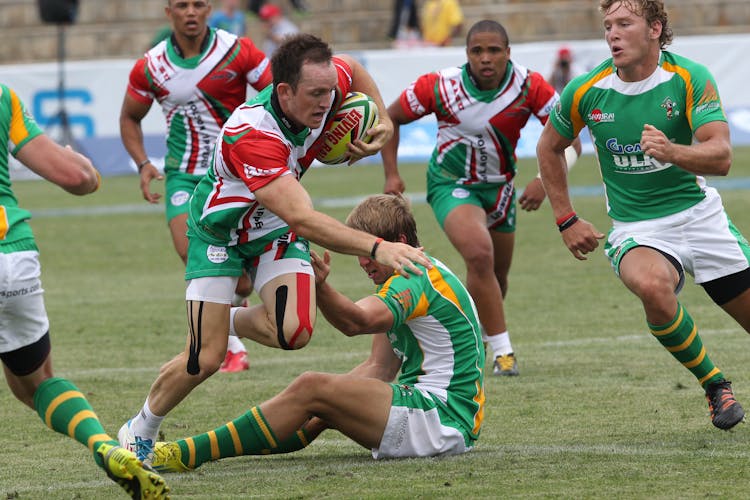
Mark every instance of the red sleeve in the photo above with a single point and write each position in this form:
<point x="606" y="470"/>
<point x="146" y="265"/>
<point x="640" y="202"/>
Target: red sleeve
<point x="542" y="96"/>
<point x="345" y="75"/>
<point x="420" y="97"/>
<point x="139" y="85"/>
<point x="258" y="67"/>
<point x="258" y="158"/>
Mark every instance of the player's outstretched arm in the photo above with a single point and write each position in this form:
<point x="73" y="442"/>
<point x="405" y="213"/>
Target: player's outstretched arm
<point x="286" y="197"/>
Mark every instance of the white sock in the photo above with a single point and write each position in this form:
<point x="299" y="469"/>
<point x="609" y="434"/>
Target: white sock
<point x="146" y="425"/>
<point x="234" y="344"/>
<point x="500" y="343"/>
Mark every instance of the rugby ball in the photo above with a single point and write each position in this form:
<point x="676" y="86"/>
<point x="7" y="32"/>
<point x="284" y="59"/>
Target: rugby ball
<point x="355" y="116"/>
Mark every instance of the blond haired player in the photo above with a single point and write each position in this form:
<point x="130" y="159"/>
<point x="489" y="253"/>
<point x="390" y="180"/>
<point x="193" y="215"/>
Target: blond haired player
<point x="644" y="107"/>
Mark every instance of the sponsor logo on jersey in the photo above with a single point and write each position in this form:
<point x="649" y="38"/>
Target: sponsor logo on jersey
<point x="404" y="299"/>
<point x="251" y="171"/>
<point x="217" y="255"/>
<point x="600" y="116"/>
<point x="709" y="101"/>
<point x="179" y="198"/>
<point x="629" y="159"/>
<point x="226" y="74"/>
<point x="670" y="107"/>
<point x="460" y="193"/>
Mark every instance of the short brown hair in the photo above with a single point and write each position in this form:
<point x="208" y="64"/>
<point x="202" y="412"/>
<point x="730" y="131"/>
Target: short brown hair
<point x="387" y="216"/>
<point x="294" y="51"/>
<point x="651" y="10"/>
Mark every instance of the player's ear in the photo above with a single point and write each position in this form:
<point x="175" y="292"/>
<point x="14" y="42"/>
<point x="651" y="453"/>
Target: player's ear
<point x="284" y="90"/>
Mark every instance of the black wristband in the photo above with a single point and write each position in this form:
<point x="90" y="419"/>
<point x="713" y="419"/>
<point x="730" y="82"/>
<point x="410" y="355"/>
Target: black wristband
<point x="375" y="247"/>
<point x="143" y="164"/>
<point x="567" y="223"/>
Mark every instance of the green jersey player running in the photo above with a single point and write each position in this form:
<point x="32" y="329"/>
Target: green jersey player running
<point x="433" y="344"/>
<point x="643" y="106"/>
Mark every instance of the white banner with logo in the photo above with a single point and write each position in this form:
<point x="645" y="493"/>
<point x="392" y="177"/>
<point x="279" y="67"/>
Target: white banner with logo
<point x="92" y="91"/>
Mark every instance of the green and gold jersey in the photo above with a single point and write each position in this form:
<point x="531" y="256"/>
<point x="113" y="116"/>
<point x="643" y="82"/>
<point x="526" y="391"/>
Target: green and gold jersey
<point x="678" y="98"/>
<point x="437" y="336"/>
<point x="17" y="127"/>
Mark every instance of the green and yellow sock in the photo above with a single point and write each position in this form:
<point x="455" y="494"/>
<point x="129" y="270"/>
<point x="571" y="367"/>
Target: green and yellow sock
<point x="247" y="435"/>
<point x="64" y="409"/>
<point x="680" y="337"/>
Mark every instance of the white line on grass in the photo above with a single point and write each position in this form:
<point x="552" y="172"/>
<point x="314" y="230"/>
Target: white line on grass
<point x="344" y="202"/>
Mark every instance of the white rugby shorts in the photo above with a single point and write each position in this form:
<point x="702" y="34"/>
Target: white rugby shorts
<point x="23" y="318"/>
<point x="701" y="238"/>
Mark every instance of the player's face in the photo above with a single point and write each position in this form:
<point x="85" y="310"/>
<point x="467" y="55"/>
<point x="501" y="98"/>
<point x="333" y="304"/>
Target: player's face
<point x="632" y="42"/>
<point x="488" y="57"/>
<point x="376" y="271"/>
<point x="189" y="17"/>
<point x="309" y="104"/>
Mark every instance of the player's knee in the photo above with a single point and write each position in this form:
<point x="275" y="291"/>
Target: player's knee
<point x="479" y="259"/>
<point x="309" y="386"/>
<point x="296" y="337"/>
<point x="654" y="290"/>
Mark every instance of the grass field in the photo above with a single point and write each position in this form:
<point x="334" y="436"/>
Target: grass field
<point x="600" y="409"/>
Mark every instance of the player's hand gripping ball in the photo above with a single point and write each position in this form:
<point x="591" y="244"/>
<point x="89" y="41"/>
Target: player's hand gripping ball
<point x="356" y="115"/>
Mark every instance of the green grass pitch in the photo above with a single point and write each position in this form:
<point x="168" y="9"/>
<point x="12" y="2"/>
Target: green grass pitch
<point x="600" y="409"/>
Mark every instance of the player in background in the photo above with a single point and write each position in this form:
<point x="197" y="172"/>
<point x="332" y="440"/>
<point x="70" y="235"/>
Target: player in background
<point x="644" y="106"/>
<point x="250" y="213"/>
<point x="25" y="347"/>
<point x="198" y="75"/>
<point x="481" y="108"/>
<point x="433" y="344"/>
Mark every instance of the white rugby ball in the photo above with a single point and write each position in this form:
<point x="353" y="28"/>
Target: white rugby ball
<point x="356" y="115"/>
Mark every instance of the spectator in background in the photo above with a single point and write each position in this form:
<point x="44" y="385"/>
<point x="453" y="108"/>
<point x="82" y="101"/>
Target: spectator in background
<point x="441" y="21"/>
<point x="276" y="27"/>
<point x="254" y="6"/>
<point x="404" y="31"/>
<point x="564" y="71"/>
<point x="230" y="17"/>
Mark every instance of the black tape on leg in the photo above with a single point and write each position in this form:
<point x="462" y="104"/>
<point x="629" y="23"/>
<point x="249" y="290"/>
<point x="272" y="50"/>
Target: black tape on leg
<point x="193" y="366"/>
<point x="281" y="297"/>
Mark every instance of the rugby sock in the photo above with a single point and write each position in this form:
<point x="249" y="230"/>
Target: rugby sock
<point x="247" y="435"/>
<point x="64" y="409"/>
<point x="235" y="345"/>
<point x="500" y="343"/>
<point x="680" y="337"/>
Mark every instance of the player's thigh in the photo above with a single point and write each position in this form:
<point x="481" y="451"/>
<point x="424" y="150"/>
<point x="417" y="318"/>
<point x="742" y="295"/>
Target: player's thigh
<point x="285" y="281"/>
<point x="358" y="407"/>
<point x="208" y="302"/>
<point x="178" y="231"/>
<point x="179" y="187"/>
<point x="289" y="299"/>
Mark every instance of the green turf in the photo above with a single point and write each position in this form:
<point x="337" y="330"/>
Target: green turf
<point x="600" y="409"/>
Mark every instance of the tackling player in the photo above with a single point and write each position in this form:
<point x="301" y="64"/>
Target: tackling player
<point x="251" y="213"/>
<point x="433" y="344"/>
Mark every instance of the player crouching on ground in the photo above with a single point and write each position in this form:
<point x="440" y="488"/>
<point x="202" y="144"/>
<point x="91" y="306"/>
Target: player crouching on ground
<point x="432" y="336"/>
